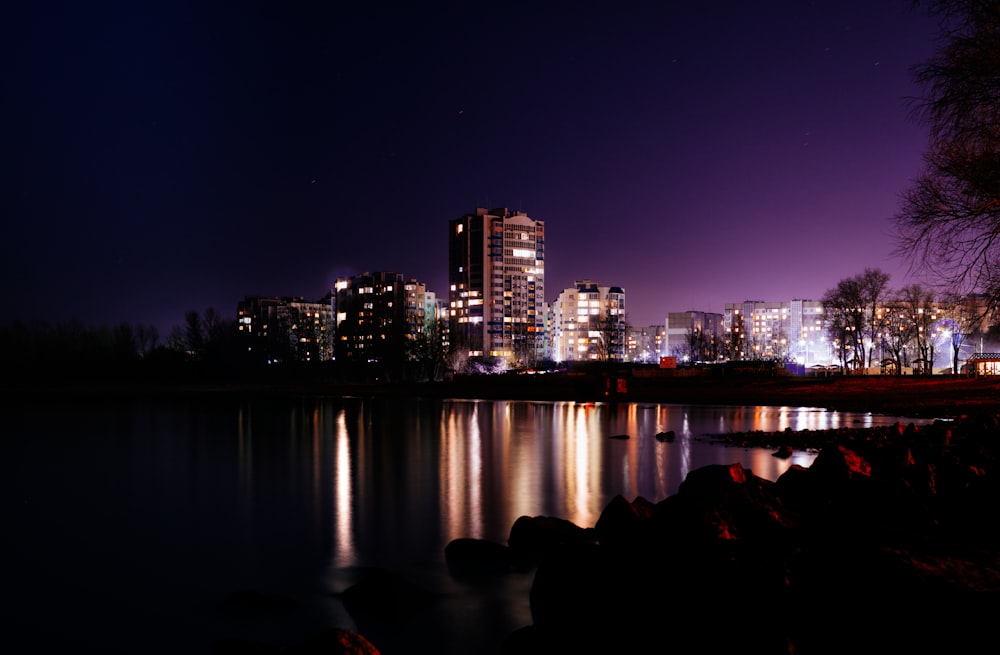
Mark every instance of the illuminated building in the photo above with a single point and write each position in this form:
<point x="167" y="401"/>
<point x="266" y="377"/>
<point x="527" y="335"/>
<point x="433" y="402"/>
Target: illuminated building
<point x="694" y="336"/>
<point x="275" y="330"/>
<point x="588" y="323"/>
<point x="779" y="331"/>
<point x="378" y="315"/>
<point x="645" y="344"/>
<point x="496" y="280"/>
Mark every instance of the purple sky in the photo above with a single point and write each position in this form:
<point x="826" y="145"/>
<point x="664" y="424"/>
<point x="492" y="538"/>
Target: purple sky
<point x="162" y="158"/>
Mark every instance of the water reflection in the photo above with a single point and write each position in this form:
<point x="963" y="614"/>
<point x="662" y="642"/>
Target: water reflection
<point x="423" y="472"/>
<point x="471" y="468"/>
<point x="343" y="538"/>
<point x="289" y="496"/>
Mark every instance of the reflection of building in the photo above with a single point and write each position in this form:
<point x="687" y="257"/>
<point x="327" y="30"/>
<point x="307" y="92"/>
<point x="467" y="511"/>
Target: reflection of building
<point x="496" y="273"/>
<point x="694" y="336"/>
<point x="588" y="323"/>
<point x="285" y="329"/>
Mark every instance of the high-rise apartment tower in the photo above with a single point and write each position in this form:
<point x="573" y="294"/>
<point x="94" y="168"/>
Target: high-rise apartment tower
<point x="496" y="282"/>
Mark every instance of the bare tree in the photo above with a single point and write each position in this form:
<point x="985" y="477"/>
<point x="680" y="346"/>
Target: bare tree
<point x="874" y="286"/>
<point x="897" y="331"/>
<point x="949" y="222"/>
<point x="965" y="317"/>
<point x="844" y="307"/>
<point x="147" y="336"/>
<point x="919" y="302"/>
<point x="611" y="331"/>
<point x="194" y="332"/>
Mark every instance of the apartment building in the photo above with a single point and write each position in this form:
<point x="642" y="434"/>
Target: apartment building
<point x="780" y="331"/>
<point x="496" y="278"/>
<point x="645" y="345"/>
<point x="376" y="315"/>
<point x="695" y="336"/>
<point x="588" y="323"/>
<point x="275" y="330"/>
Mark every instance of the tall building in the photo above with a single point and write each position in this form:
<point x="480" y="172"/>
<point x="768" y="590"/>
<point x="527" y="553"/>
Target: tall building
<point x="588" y="323"/>
<point x="496" y="280"/>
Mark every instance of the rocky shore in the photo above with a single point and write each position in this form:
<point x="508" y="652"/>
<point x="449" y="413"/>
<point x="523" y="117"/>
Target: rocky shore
<point x="888" y="542"/>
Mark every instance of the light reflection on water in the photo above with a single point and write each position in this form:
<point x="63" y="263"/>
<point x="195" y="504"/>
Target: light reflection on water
<point x="560" y="458"/>
<point x="291" y="496"/>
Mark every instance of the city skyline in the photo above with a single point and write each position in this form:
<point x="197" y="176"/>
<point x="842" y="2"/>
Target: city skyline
<point x="694" y="156"/>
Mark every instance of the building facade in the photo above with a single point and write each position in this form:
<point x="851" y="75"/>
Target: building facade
<point x="694" y="336"/>
<point x="645" y="345"/>
<point x="787" y="331"/>
<point x="588" y="323"/>
<point x="371" y="319"/>
<point x="496" y="278"/>
<point x="276" y="330"/>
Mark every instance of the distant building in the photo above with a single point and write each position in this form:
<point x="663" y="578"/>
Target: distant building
<point x="588" y="323"/>
<point x="283" y="329"/>
<point x="807" y="329"/>
<point x="378" y="316"/>
<point x="496" y="276"/>
<point x="645" y="344"/>
<point x="695" y="336"/>
<point x="780" y="331"/>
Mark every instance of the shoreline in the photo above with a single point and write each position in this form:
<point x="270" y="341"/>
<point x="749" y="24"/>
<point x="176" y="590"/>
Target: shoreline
<point x="944" y="397"/>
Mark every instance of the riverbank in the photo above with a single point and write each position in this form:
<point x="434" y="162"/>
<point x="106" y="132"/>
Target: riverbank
<point x="923" y="397"/>
<point x="907" y="396"/>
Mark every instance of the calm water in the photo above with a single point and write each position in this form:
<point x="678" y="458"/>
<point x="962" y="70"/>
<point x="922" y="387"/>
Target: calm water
<point x="133" y="521"/>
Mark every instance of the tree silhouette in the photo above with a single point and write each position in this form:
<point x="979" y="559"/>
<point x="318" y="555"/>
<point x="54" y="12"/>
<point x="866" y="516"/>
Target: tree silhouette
<point x="949" y="220"/>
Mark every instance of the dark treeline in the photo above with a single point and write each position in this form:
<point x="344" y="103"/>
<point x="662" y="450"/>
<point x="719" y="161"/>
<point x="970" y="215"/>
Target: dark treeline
<point x="205" y="349"/>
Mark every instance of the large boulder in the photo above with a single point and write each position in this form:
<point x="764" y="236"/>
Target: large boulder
<point x="532" y="537"/>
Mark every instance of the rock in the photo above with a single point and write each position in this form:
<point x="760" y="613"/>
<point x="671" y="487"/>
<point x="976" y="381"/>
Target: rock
<point x="621" y="521"/>
<point x="889" y="534"/>
<point x="338" y="641"/>
<point x="783" y="452"/>
<point x="531" y="537"/>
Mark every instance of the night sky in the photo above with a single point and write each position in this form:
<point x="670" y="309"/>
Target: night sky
<point x="161" y="157"/>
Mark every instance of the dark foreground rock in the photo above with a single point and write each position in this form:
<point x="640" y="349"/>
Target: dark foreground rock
<point x="888" y="542"/>
<point x="338" y="641"/>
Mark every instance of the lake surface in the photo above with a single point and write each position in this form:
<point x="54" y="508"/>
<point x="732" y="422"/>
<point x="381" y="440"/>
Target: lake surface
<point x="132" y="521"/>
